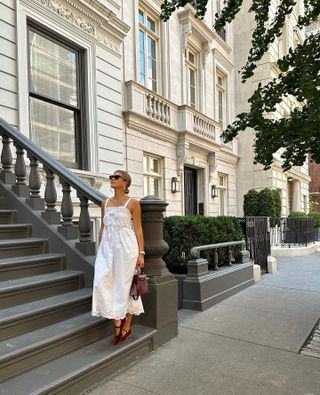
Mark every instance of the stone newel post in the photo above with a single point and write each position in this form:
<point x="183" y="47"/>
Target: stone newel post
<point x="161" y="303"/>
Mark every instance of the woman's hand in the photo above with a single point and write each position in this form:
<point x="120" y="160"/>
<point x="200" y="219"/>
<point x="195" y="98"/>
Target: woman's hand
<point x="140" y="261"/>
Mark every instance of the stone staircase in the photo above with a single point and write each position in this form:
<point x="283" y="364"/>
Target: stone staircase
<point x="49" y="342"/>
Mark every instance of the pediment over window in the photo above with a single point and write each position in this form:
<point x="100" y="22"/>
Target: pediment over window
<point x="196" y="27"/>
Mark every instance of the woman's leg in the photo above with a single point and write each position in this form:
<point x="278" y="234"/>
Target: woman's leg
<point x="117" y="331"/>
<point x="126" y="329"/>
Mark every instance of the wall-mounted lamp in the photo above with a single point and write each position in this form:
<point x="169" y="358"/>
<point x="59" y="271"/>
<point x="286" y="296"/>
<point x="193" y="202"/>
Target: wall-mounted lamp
<point x="289" y="178"/>
<point x="175" y="185"/>
<point x="214" y="192"/>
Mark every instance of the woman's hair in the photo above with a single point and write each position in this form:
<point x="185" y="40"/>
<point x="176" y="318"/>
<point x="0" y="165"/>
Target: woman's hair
<point x="126" y="176"/>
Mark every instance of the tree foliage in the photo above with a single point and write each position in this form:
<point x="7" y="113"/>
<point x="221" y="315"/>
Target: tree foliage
<point x="298" y="133"/>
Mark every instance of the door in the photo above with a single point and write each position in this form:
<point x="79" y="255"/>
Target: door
<point x="190" y="191"/>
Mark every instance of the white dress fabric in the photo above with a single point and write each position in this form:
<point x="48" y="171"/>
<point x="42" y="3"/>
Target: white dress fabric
<point x="114" y="267"/>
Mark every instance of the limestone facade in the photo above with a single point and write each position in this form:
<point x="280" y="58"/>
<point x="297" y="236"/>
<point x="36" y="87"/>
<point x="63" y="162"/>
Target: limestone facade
<point x="293" y="184"/>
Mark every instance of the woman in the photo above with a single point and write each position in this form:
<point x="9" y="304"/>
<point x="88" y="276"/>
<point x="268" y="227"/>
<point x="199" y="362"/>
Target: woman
<point x="121" y="250"/>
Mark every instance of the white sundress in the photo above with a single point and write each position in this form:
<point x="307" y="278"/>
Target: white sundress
<point x="114" y="267"/>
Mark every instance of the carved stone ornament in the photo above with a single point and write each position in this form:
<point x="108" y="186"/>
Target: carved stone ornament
<point x="212" y="164"/>
<point x="206" y="49"/>
<point x="186" y="30"/>
<point x="77" y="17"/>
<point x="182" y="155"/>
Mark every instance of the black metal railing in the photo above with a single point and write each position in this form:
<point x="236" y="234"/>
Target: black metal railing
<point x="17" y="175"/>
<point x="257" y="236"/>
<point x="299" y="231"/>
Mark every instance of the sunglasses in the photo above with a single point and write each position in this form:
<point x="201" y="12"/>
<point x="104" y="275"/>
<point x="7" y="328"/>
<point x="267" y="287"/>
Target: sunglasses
<point x="115" y="177"/>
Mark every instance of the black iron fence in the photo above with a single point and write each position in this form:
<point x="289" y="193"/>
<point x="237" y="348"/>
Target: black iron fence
<point x="257" y="236"/>
<point x="293" y="231"/>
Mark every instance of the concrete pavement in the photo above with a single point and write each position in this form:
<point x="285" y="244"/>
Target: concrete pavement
<point x="247" y="344"/>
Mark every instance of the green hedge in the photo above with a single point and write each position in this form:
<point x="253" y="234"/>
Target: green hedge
<point x="316" y="217"/>
<point x="297" y="214"/>
<point x="266" y="203"/>
<point x="183" y="233"/>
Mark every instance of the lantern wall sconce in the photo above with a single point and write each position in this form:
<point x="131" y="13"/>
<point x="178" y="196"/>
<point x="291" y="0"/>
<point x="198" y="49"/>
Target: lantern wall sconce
<point x="214" y="192"/>
<point x="175" y="185"/>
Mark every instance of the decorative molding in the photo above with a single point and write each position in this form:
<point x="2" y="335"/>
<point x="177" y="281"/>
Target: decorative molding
<point x="212" y="161"/>
<point x="154" y="133"/>
<point x="93" y="19"/>
<point x="186" y="30"/>
<point x="206" y="49"/>
<point x="182" y="154"/>
<point x="199" y="28"/>
<point x="223" y="60"/>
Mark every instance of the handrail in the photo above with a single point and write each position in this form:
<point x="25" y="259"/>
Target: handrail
<point x="194" y="252"/>
<point x="58" y="168"/>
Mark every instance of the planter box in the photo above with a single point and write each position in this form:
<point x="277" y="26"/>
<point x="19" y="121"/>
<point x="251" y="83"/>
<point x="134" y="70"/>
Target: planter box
<point x="206" y="288"/>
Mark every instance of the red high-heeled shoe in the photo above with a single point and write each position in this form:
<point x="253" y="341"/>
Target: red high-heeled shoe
<point x="126" y="335"/>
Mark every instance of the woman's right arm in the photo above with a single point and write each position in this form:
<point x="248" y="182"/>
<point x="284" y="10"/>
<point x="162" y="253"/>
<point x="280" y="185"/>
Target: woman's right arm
<point x="103" y="203"/>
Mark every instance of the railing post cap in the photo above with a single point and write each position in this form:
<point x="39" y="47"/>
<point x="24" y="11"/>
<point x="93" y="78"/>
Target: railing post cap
<point x="151" y="199"/>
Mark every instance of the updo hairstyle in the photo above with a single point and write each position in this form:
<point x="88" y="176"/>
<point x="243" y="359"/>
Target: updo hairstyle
<point x="126" y="176"/>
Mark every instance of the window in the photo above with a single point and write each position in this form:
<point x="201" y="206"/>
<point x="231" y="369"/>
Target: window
<point x="152" y="169"/>
<point x="222" y="102"/>
<point x="148" y="50"/>
<point x="222" y="33"/>
<point x="55" y="99"/>
<point x="191" y="60"/>
<point x="223" y="194"/>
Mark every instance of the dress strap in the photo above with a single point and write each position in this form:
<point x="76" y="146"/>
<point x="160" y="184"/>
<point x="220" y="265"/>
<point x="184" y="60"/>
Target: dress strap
<point x="106" y="203"/>
<point x="127" y="202"/>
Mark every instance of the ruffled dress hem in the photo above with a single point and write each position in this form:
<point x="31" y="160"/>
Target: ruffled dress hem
<point x="116" y="316"/>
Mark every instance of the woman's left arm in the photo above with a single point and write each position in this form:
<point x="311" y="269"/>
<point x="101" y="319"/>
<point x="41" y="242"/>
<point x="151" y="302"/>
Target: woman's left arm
<point x="136" y="217"/>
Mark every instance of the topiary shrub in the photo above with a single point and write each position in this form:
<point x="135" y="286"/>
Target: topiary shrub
<point x="183" y="233"/>
<point x="266" y="203"/>
<point x="250" y="203"/>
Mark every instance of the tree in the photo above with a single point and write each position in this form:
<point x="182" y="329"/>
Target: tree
<point x="298" y="133"/>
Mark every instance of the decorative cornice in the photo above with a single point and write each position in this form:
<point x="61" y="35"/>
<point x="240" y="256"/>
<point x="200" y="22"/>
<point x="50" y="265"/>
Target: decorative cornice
<point x="225" y="62"/>
<point x="154" y="133"/>
<point x="91" y="17"/>
<point x="199" y="28"/>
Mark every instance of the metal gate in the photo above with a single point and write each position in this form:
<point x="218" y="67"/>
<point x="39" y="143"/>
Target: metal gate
<point x="257" y="235"/>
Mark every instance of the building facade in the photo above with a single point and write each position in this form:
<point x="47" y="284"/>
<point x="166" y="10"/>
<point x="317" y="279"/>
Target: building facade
<point x="293" y="185"/>
<point x="106" y="85"/>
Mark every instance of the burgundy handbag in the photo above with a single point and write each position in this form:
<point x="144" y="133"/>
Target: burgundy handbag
<point x="139" y="284"/>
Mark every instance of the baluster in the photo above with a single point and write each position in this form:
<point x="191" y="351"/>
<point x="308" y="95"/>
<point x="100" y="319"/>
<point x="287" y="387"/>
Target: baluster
<point x="168" y="116"/>
<point x="67" y="229"/>
<point x="35" y="200"/>
<point x="86" y="246"/>
<point x="6" y="176"/>
<point x="161" y="111"/>
<point x="229" y="256"/>
<point x="148" y="108"/>
<point x="50" y="196"/>
<point x="20" y="188"/>
<point x="215" y="259"/>
<point x="152" y="100"/>
<point x="157" y="109"/>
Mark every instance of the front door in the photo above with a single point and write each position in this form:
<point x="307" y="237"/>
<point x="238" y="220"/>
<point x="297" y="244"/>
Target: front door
<point x="190" y="191"/>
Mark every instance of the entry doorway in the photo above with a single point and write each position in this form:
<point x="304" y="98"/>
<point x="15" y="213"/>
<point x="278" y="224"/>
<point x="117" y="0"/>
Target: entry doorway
<point x="190" y="191"/>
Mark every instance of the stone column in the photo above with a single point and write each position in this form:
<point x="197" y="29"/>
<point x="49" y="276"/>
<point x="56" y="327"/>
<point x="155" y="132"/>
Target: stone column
<point x="161" y="303"/>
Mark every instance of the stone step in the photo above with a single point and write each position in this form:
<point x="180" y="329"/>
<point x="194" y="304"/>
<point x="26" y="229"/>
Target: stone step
<point x="23" y="247"/>
<point x="24" y="352"/>
<point x="32" y="265"/>
<point x="28" y="289"/>
<point x="7" y="216"/>
<point x="30" y="316"/>
<point x="79" y="370"/>
<point x="15" y="231"/>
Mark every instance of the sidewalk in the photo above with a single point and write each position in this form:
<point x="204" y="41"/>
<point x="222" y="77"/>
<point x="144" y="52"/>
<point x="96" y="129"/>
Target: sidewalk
<point x="247" y="344"/>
